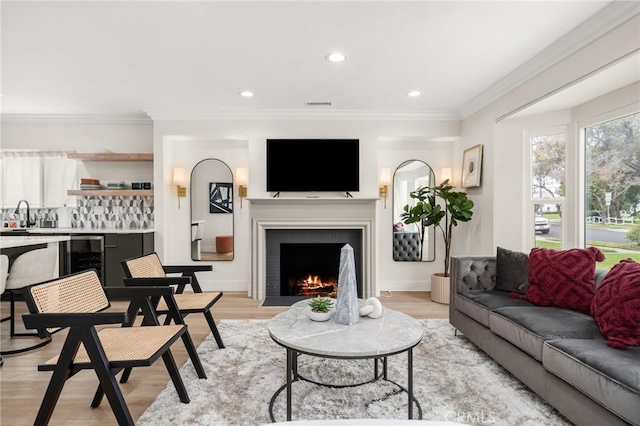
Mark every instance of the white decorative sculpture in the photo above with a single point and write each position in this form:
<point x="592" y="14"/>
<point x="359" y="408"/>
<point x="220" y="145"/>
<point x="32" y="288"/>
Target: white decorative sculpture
<point x="372" y="308"/>
<point x="347" y="311"/>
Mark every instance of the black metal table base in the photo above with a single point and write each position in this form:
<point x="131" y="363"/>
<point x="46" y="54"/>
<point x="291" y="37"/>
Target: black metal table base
<point x="293" y="376"/>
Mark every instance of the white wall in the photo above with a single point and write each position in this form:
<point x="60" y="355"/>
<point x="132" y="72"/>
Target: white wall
<point x="242" y="143"/>
<point x="87" y="137"/>
<point x="513" y="212"/>
<point x="512" y="136"/>
<point x="502" y="176"/>
<point x="409" y="276"/>
<point x="502" y="188"/>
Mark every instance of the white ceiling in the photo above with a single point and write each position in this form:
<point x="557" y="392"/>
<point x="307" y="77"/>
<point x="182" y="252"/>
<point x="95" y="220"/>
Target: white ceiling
<point x="615" y="77"/>
<point x="127" y="58"/>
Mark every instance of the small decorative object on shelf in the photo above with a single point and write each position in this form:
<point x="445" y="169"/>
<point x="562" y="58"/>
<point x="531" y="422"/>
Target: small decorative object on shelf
<point x="372" y="308"/>
<point x="347" y="312"/>
<point x="320" y="308"/>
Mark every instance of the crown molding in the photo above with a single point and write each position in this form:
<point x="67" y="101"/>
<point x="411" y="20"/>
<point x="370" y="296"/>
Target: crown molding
<point x="609" y="18"/>
<point x="74" y="119"/>
<point x="300" y="114"/>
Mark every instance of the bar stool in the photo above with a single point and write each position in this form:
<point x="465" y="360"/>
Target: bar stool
<point x="29" y="268"/>
<point x="4" y="271"/>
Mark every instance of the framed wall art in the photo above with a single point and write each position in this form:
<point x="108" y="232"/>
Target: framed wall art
<point x="220" y="197"/>
<point x="471" y="166"/>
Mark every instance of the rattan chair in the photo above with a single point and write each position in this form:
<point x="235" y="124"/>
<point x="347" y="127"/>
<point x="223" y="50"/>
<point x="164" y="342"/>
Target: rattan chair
<point x="77" y="302"/>
<point x="148" y="270"/>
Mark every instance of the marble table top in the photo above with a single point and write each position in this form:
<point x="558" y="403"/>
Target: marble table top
<point x="9" y="242"/>
<point x="392" y="333"/>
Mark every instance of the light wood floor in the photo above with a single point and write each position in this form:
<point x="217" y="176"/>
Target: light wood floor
<point x="22" y="386"/>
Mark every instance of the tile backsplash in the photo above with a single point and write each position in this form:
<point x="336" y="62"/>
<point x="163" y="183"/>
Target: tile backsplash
<point x="99" y="212"/>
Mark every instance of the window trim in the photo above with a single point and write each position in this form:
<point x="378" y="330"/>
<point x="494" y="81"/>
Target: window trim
<point x="530" y="236"/>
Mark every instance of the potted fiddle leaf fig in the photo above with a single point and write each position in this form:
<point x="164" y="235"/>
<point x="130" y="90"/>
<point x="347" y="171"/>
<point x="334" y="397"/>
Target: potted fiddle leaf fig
<point x="442" y="207"/>
<point x="320" y="308"/>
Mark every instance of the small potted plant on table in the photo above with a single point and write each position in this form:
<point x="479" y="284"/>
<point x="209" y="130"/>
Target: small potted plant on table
<point x="320" y="308"/>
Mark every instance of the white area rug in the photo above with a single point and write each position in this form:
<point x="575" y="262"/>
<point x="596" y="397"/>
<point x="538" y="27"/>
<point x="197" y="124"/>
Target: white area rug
<point x="453" y="381"/>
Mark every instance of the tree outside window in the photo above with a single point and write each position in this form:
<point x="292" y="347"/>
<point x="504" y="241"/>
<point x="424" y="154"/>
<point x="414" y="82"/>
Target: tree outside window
<point x="612" y="210"/>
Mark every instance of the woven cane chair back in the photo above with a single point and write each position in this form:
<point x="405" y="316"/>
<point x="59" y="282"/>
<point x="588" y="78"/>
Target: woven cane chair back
<point x="79" y="293"/>
<point x="148" y="266"/>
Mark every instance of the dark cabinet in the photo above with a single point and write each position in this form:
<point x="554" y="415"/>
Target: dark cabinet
<point x="118" y="247"/>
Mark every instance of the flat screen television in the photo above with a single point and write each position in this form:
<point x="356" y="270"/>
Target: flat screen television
<point x="313" y="165"/>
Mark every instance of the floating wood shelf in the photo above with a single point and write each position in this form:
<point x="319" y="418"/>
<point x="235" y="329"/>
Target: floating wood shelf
<point x="112" y="156"/>
<point x="111" y="192"/>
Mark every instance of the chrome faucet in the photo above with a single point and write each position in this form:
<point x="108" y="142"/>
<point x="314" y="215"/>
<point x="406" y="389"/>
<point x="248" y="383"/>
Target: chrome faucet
<point x="28" y="222"/>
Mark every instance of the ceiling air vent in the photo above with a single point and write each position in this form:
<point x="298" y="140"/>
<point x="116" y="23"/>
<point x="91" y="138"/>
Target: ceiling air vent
<point x="318" y="104"/>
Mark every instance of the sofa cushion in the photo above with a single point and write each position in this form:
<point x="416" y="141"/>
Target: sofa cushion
<point x="512" y="271"/>
<point x="616" y="305"/>
<point x="479" y="304"/>
<point x="562" y="278"/>
<point x="528" y="327"/>
<point x="607" y="375"/>
<point x="475" y="274"/>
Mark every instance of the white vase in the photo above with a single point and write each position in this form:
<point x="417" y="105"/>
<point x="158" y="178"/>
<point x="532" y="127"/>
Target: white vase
<point x="318" y="316"/>
<point x="440" y="288"/>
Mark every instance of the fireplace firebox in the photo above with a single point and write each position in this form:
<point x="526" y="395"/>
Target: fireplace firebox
<point x="309" y="269"/>
<point x="303" y="263"/>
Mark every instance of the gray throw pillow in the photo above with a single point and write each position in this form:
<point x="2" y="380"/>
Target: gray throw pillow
<point x="512" y="271"/>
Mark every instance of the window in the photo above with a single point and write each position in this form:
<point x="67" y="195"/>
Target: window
<point x="612" y="188"/>
<point x="548" y="177"/>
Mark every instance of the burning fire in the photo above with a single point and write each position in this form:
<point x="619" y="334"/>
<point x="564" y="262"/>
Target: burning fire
<point x="313" y="286"/>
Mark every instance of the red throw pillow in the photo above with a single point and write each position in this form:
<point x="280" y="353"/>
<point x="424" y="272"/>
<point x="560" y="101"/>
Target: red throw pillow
<point x="616" y="305"/>
<point x="562" y="278"/>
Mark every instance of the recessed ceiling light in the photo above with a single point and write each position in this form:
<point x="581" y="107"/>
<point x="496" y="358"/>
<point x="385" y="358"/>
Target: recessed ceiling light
<point x="414" y="93"/>
<point x="336" y="57"/>
<point x="246" y="94"/>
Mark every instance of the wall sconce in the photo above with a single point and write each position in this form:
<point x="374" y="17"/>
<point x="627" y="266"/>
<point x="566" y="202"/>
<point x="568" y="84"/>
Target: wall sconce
<point x="385" y="181"/>
<point x="241" y="181"/>
<point x="445" y="174"/>
<point x="178" y="181"/>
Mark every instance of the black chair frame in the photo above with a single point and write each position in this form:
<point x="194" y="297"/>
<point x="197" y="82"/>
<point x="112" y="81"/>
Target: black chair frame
<point x="188" y="278"/>
<point x="82" y="329"/>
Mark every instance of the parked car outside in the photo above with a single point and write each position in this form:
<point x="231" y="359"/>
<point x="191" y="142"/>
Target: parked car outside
<point x="542" y="225"/>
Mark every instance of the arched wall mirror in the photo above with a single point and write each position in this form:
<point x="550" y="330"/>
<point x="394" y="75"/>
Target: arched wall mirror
<point x="408" y="245"/>
<point x="211" y="211"/>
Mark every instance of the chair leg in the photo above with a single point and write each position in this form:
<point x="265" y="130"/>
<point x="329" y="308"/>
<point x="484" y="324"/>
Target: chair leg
<point x="172" y="368"/>
<point x="12" y="314"/>
<point x="60" y="375"/>
<point x="52" y="395"/>
<point x="12" y="319"/>
<point x="125" y="375"/>
<point x="193" y="354"/>
<point x="106" y="375"/>
<point x="214" y="329"/>
<point x="97" y="397"/>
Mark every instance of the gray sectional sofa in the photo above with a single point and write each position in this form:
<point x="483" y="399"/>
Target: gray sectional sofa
<point x="558" y="353"/>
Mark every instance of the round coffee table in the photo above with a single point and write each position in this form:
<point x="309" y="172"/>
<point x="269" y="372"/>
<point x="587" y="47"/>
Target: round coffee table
<point x="391" y="334"/>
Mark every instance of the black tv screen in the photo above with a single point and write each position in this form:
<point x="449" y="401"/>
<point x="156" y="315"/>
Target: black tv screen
<point x="313" y="165"/>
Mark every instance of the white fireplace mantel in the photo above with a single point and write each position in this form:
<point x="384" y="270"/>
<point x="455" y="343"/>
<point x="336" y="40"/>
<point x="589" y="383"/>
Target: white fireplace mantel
<point x="313" y="200"/>
<point x="311" y="213"/>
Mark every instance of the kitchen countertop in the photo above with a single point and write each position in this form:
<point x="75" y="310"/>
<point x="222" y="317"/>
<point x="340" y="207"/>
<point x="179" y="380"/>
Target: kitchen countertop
<point x="9" y="242"/>
<point x="80" y="230"/>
